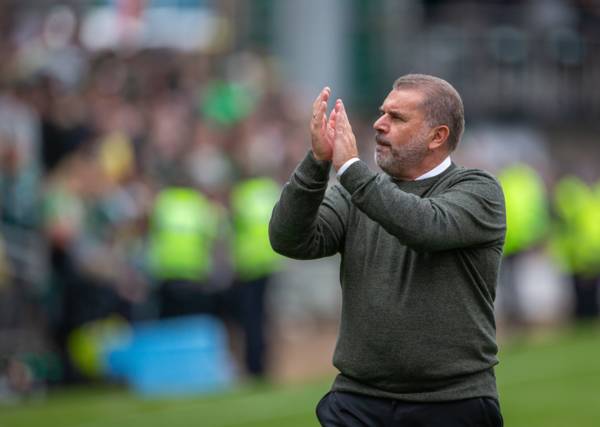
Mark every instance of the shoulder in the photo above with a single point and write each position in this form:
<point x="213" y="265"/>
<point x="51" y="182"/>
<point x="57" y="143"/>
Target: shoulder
<point x="463" y="174"/>
<point x="477" y="180"/>
<point x="339" y="189"/>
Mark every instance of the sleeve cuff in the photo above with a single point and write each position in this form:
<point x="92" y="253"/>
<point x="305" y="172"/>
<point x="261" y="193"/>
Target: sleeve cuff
<point x="313" y="173"/>
<point x="356" y="175"/>
<point x="346" y="166"/>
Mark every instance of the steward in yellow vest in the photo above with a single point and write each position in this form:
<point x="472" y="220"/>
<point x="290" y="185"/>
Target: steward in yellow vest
<point x="576" y="240"/>
<point x="251" y="204"/>
<point x="527" y="215"/>
<point x="527" y="227"/>
<point x="183" y="228"/>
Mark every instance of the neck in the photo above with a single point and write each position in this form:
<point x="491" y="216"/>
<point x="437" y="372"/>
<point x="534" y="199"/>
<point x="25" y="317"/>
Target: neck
<point x="425" y="166"/>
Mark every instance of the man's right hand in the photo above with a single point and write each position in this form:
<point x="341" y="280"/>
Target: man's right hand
<point x="322" y="130"/>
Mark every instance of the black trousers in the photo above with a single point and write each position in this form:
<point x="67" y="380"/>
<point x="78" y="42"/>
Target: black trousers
<point x="341" y="409"/>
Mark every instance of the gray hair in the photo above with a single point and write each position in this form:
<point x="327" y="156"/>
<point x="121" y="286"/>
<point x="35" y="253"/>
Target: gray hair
<point x="442" y="105"/>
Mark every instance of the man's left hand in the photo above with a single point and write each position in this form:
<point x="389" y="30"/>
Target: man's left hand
<point x="344" y="146"/>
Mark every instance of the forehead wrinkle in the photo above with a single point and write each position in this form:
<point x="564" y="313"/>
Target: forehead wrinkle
<point x="415" y="107"/>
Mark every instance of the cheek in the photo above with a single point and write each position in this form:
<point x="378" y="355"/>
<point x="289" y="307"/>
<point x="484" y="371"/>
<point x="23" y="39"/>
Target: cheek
<point x="405" y="135"/>
<point x="398" y="137"/>
<point x="401" y="129"/>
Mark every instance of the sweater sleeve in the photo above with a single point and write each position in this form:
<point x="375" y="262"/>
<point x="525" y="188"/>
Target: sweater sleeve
<point x="469" y="213"/>
<point x="309" y="220"/>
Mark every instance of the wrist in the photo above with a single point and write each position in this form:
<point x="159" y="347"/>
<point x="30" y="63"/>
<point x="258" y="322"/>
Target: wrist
<point x="320" y="157"/>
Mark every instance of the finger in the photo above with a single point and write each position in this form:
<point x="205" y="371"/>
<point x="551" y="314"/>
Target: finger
<point x="323" y="96"/>
<point x="318" y="116"/>
<point x="330" y="128"/>
<point x="340" y="117"/>
<point x="325" y="93"/>
<point x="331" y="121"/>
<point x="331" y="134"/>
<point x="316" y="102"/>
<point x="341" y="109"/>
<point x="320" y="113"/>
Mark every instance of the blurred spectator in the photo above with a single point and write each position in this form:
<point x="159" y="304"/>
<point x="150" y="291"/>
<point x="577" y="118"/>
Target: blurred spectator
<point x="184" y="227"/>
<point x="252" y="201"/>
<point x="19" y="154"/>
<point x="84" y="220"/>
<point x="576" y="241"/>
<point x="527" y="224"/>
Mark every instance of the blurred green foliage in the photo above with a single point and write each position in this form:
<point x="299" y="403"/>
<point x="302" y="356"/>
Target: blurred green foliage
<point x="549" y="380"/>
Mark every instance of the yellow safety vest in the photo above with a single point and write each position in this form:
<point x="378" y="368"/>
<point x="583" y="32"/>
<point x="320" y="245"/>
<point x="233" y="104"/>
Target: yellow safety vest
<point x="252" y="202"/>
<point x="183" y="229"/>
<point x="527" y="216"/>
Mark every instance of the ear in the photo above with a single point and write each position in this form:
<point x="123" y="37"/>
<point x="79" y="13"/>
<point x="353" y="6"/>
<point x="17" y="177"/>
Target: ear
<point x="439" y="135"/>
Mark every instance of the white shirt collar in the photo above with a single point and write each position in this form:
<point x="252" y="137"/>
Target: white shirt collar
<point x="436" y="170"/>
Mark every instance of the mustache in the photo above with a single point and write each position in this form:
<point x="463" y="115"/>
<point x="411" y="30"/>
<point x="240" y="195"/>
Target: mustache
<point x="381" y="140"/>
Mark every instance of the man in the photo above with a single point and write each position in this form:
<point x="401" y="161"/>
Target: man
<point x="255" y="263"/>
<point x="421" y="246"/>
<point x="184" y="226"/>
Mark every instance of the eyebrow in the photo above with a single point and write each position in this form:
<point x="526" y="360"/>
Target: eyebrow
<point x="393" y="113"/>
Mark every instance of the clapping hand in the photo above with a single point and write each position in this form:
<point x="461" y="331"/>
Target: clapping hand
<point x="332" y="139"/>
<point x="322" y="130"/>
<point x="344" y="141"/>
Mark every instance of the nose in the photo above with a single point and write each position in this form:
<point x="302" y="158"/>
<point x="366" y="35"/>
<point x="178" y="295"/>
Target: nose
<point x="381" y="124"/>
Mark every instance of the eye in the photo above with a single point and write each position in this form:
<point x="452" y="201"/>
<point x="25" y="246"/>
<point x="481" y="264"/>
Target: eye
<point x="397" y="117"/>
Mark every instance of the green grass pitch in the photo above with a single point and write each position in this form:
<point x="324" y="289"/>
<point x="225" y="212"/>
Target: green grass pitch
<point x="551" y="382"/>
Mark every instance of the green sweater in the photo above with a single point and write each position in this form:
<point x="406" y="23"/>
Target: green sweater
<point x="419" y="269"/>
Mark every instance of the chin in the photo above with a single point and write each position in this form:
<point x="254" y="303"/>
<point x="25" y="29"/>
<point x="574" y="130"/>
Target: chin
<point x="380" y="162"/>
<point x="385" y="166"/>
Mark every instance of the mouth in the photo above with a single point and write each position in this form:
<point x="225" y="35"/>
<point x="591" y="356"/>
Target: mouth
<point x="382" y="142"/>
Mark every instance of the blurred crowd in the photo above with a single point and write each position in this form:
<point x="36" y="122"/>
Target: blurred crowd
<point x="88" y="141"/>
<point x="100" y="151"/>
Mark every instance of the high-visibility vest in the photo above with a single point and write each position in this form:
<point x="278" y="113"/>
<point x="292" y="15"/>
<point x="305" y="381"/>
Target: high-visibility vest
<point x="527" y="216"/>
<point x="252" y="202"/>
<point x="576" y="235"/>
<point x="184" y="226"/>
